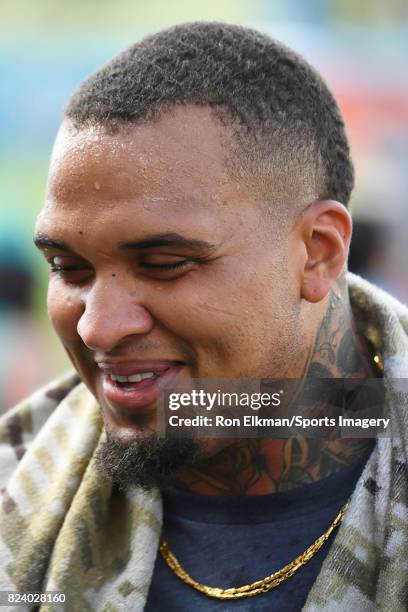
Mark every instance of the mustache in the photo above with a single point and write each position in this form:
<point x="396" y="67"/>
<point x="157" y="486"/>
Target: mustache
<point x="144" y="348"/>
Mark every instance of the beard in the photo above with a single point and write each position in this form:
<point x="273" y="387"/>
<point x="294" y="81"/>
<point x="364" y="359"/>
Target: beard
<point x="147" y="461"/>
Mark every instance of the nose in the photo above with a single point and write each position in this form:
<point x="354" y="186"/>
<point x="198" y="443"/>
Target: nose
<point x="110" y="315"/>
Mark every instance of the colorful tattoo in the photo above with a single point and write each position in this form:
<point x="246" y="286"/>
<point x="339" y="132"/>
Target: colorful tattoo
<point x="260" y="466"/>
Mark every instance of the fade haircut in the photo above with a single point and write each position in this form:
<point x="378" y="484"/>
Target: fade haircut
<point x="286" y="130"/>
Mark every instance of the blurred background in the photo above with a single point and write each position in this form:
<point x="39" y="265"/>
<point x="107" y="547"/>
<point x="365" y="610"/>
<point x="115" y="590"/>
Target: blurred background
<point x="48" y="47"/>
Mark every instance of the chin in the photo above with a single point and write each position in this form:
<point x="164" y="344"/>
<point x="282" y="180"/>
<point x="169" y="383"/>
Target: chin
<point x="141" y="458"/>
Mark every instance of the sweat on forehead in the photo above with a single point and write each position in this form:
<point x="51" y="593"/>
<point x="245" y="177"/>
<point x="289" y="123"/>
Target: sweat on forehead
<point x="183" y="148"/>
<point x="285" y="119"/>
<point x="187" y="145"/>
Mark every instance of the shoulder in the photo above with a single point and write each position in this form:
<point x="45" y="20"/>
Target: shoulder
<point x="383" y="320"/>
<point x="374" y="302"/>
<point x="22" y="424"/>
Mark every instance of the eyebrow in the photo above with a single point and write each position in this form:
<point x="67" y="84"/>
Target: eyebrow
<point x="170" y="239"/>
<point x="42" y="241"/>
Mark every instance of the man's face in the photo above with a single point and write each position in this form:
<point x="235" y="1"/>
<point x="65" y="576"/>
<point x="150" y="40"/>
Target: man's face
<point x="163" y="265"/>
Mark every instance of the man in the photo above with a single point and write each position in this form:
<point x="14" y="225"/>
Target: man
<point x="196" y="226"/>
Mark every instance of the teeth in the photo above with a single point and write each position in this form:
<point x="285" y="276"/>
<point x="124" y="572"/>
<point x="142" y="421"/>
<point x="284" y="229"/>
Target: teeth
<point x="133" y="377"/>
<point x="147" y="375"/>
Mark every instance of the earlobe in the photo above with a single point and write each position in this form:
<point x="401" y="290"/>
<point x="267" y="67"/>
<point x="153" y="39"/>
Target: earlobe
<point x="326" y="230"/>
<point x="315" y="289"/>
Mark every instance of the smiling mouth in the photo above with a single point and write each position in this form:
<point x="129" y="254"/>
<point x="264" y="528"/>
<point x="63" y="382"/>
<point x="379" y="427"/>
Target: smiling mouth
<point x="129" y="392"/>
<point x="134" y="381"/>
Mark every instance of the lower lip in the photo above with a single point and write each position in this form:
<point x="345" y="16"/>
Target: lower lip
<point x="142" y="395"/>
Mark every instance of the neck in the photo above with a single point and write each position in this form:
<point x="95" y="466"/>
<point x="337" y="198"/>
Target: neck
<point x="261" y="466"/>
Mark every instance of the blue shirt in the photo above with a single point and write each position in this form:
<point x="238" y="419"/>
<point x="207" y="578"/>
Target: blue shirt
<point x="231" y="541"/>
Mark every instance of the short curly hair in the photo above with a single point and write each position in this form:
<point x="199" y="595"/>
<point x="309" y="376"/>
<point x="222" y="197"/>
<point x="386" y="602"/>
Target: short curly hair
<point x="283" y="117"/>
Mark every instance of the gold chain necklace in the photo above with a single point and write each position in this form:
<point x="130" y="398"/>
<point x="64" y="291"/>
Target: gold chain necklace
<point x="260" y="586"/>
<point x="268" y="583"/>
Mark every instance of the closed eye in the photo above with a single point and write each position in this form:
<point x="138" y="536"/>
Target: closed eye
<point x="165" y="266"/>
<point x="56" y="268"/>
<point x="63" y="263"/>
<point x="71" y="269"/>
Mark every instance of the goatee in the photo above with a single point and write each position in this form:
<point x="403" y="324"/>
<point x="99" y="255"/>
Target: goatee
<point x="147" y="461"/>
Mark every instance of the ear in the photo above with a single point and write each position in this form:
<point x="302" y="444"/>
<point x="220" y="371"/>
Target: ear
<point x="326" y="229"/>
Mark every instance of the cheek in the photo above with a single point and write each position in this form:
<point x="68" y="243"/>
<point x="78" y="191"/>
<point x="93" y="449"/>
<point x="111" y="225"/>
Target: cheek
<point x="218" y="314"/>
<point x="64" y="311"/>
<point x="248" y="319"/>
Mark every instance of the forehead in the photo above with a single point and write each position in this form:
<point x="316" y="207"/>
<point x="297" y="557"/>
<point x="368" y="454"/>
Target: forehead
<point x="170" y="174"/>
<point x="181" y="153"/>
